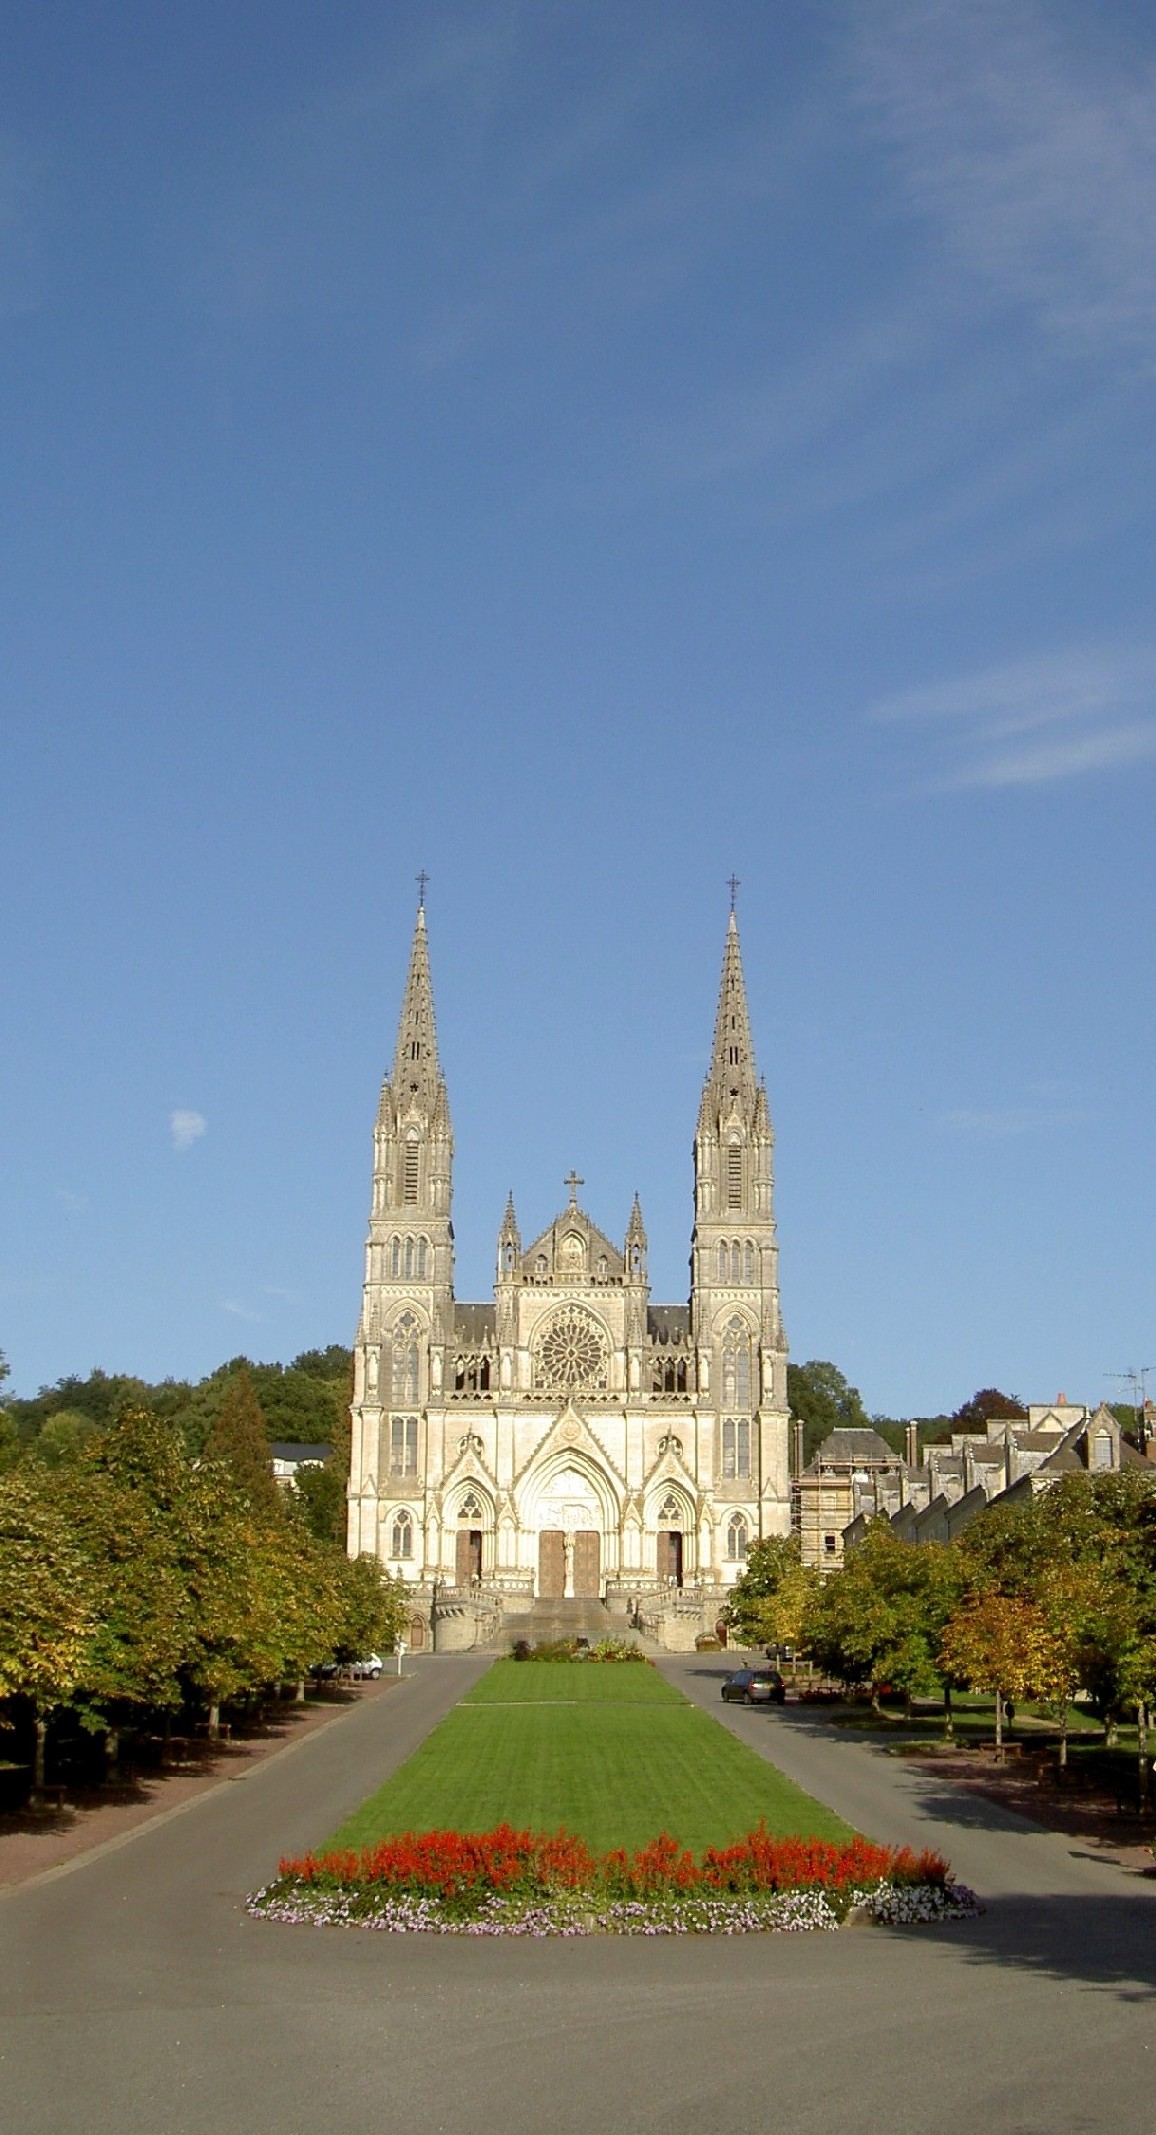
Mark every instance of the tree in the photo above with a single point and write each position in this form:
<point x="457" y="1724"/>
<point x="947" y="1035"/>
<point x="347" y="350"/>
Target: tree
<point x="238" y="1438"/>
<point x="823" y="1400"/>
<point x="142" y="1620"/>
<point x="880" y="1619"/>
<point x="47" y="1605"/>
<point x="974" y="1415"/>
<point x="374" y="1608"/>
<point x="63" y="1438"/>
<point x="769" y="1601"/>
<point x="1000" y="1644"/>
<point x="320" y="1493"/>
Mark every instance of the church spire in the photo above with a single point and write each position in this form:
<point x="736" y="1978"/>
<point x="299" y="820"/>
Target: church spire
<point x="733" y="1075"/>
<point x="416" y="1074"/>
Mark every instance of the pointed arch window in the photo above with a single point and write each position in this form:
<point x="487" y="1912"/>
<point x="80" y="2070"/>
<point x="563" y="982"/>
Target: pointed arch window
<point x="748" y="1262"/>
<point x="409" y="1182"/>
<point x="401" y="1540"/>
<point x="736" y="1538"/>
<point x="734" y="1175"/>
<point x="403" y="1445"/>
<point x="736" y="1448"/>
<point x="395" y="1256"/>
<point x="408" y="1260"/>
<point x="724" y="1261"/>
<point x="422" y="1258"/>
<point x="406" y="1359"/>
<point x="736" y="1365"/>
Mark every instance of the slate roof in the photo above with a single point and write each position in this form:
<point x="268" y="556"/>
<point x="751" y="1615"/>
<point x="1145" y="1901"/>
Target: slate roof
<point x="473" y="1324"/>
<point x="854" y="1446"/>
<point x="289" y="1449"/>
<point x="668" y="1323"/>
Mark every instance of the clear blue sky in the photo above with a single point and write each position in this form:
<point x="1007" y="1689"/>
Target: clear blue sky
<point x="580" y="451"/>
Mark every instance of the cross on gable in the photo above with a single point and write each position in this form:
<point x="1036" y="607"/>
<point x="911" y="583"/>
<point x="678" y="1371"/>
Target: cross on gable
<point x="573" y="1182"/>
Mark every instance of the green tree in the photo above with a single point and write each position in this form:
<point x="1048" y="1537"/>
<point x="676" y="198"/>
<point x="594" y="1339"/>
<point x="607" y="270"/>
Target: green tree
<point x="238" y="1438"/>
<point x="63" y="1438"/>
<point x="881" y="1618"/>
<point x="142" y="1627"/>
<point x="47" y="1605"/>
<point x="769" y="1601"/>
<point x="320" y="1493"/>
<point x="823" y="1400"/>
<point x="374" y="1608"/>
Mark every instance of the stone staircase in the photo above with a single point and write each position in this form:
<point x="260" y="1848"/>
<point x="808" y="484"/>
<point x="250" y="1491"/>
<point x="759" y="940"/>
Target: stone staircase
<point x="548" y="1620"/>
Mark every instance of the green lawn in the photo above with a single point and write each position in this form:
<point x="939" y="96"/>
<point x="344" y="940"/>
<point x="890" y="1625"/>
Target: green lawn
<point x="613" y="1753"/>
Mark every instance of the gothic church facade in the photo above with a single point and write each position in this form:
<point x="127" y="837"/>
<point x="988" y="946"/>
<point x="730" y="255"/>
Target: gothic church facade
<point x="570" y="1438"/>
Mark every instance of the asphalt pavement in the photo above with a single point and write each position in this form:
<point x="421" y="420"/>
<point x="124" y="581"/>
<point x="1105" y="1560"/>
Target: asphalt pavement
<point x="135" y="1993"/>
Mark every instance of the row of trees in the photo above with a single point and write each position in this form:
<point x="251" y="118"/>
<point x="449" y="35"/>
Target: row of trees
<point x="1048" y="1599"/>
<point x="138" y="1579"/>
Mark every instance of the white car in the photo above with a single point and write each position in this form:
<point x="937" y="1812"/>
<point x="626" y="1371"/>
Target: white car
<point x="371" y="1666"/>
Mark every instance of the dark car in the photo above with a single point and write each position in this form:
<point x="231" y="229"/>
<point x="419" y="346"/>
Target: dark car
<point x="754" y="1686"/>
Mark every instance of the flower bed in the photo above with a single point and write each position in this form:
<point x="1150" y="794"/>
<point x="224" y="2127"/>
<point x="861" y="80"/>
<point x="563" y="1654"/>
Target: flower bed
<point x="507" y="1882"/>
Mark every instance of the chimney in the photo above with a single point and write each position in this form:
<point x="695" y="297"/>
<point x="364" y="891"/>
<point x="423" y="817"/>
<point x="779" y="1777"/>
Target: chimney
<point x="797" y="1435"/>
<point x="912" y="1445"/>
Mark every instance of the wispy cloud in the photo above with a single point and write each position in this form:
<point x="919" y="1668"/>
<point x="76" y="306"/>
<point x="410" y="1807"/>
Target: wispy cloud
<point x="1034" y="162"/>
<point x="186" y="1128"/>
<point x="239" y="1312"/>
<point x="1059" y="715"/>
<point x="74" y="1203"/>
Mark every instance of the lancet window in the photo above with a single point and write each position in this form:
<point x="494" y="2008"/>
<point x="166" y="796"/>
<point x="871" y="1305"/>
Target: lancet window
<point x="406" y="1360"/>
<point x="736" y="1448"/>
<point x="736" y="1538"/>
<point x="401" y="1539"/>
<point x="403" y="1445"/>
<point x="736" y="1365"/>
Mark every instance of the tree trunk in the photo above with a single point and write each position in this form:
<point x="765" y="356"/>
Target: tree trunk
<point x="299" y="1693"/>
<point x="214" y="1720"/>
<point x="999" y="1726"/>
<point x="1064" y="1740"/>
<point x="40" y="1757"/>
<point x="111" y="1751"/>
<point x="948" y="1715"/>
<point x="1142" y="1752"/>
<point x="1111" y="1733"/>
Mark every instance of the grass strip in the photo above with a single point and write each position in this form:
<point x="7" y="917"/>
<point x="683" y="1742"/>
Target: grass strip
<point x="616" y="1767"/>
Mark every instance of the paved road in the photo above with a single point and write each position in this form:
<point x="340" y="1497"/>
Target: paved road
<point x="135" y="1995"/>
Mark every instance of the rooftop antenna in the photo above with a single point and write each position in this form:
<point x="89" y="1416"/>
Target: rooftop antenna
<point x="1137" y="1379"/>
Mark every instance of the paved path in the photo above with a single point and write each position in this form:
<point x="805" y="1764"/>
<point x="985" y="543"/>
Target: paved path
<point x="135" y="1995"/>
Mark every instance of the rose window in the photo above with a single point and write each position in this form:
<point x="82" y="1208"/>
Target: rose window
<point x="572" y="1354"/>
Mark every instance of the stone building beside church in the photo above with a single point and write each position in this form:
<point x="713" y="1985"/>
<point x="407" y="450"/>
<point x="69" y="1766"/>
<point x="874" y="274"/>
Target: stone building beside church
<point x="569" y="1440"/>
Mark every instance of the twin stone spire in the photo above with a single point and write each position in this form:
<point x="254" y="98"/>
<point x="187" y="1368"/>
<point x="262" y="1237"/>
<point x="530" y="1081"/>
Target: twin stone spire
<point x="733" y="1143"/>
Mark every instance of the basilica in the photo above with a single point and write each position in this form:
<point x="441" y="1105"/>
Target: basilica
<point x="568" y="1440"/>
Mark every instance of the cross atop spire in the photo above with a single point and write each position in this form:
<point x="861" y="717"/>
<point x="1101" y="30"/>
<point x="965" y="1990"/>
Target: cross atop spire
<point x="573" y="1182"/>
<point x="733" y="885"/>
<point x="422" y="878"/>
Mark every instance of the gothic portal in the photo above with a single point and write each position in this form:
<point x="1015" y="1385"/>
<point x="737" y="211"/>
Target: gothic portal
<point x="569" y="1439"/>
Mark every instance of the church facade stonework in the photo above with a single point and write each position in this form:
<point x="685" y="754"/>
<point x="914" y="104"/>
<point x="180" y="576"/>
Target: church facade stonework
<point x="569" y="1440"/>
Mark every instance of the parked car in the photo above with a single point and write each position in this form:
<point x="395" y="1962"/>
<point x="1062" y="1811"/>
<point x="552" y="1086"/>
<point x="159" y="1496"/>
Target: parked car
<point x="754" y="1686"/>
<point x="371" y="1666"/>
